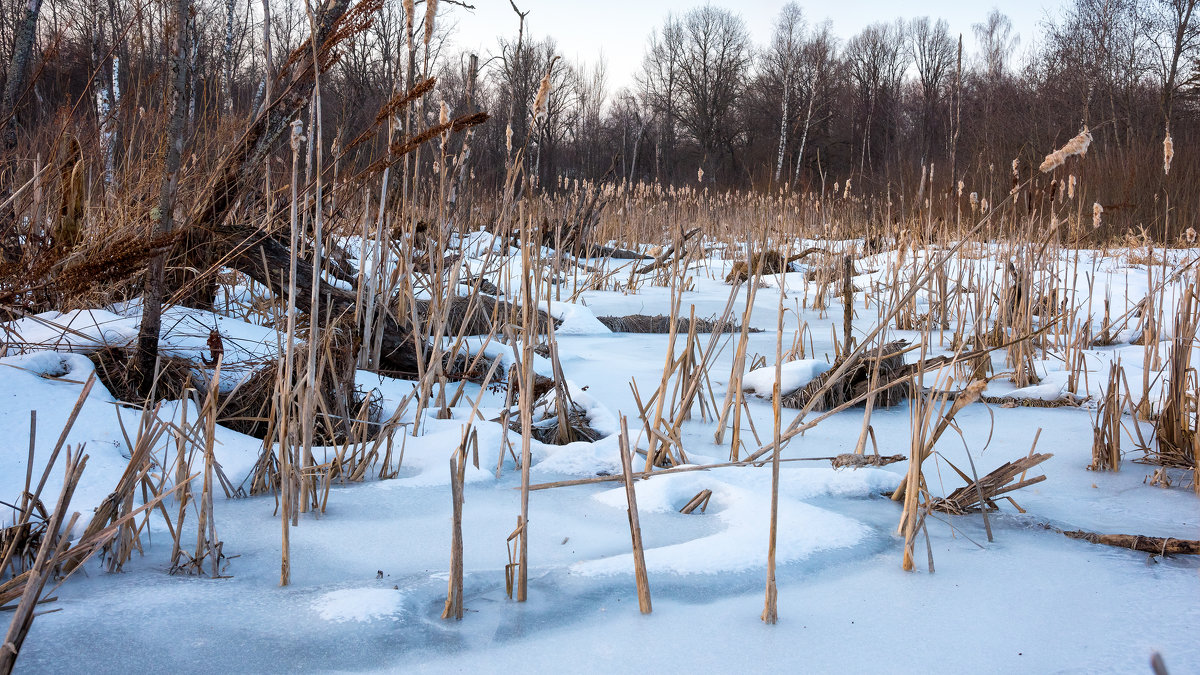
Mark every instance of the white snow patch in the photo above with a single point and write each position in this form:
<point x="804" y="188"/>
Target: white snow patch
<point x="358" y="604"/>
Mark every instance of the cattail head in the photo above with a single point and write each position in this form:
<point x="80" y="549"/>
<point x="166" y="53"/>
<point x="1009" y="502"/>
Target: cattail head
<point x="1071" y="186"/>
<point x="1168" y="152"/>
<point x="430" y="14"/>
<point x="409" y="8"/>
<point x="297" y="134"/>
<point x="974" y="201"/>
<point x="960" y="188"/>
<point x="1076" y="146"/>
<point x="1016" y="168"/>
<point x="1190" y="235"/>
<point x="846" y="193"/>
<point x="508" y="138"/>
<point x="700" y="175"/>
<point x="1097" y="210"/>
<point x="983" y="205"/>
<point x="543" y="93"/>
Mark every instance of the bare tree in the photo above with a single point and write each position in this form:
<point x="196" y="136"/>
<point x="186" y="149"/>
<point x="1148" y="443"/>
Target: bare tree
<point x="781" y="65"/>
<point x="996" y="41"/>
<point x="933" y="54"/>
<point x="716" y="58"/>
<point x="659" y="83"/>
<point x="876" y="59"/>
<point x="1176" y="36"/>
<point x="147" y="352"/>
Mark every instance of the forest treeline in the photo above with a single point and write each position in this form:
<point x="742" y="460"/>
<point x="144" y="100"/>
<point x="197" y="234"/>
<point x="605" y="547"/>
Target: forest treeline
<point x="901" y="109"/>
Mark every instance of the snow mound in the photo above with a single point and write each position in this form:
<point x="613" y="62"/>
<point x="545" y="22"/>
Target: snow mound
<point x="741" y="505"/>
<point x="793" y="375"/>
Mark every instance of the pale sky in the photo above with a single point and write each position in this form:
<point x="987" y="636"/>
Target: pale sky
<point x="619" y="28"/>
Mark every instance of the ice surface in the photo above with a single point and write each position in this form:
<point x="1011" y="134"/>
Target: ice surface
<point x="1029" y="601"/>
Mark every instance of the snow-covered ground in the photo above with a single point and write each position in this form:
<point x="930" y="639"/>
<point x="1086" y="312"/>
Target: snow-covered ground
<point x="1029" y="601"/>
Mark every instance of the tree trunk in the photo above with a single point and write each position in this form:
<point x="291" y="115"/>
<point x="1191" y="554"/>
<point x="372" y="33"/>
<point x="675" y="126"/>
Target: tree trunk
<point x="18" y="72"/>
<point x="227" y="57"/>
<point x="147" y="352"/>
<point x="783" y="124"/>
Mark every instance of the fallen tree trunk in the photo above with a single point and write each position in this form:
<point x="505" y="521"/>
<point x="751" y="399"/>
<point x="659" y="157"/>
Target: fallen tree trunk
<point x="1137" y="542"/>
<point x="266" y="259"/>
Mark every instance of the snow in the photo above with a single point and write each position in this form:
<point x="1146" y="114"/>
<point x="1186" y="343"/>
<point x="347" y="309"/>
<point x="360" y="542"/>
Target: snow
<point x="793" y="375"/>
<point x="1031" y="600"/>
<point x="358" y="604"/>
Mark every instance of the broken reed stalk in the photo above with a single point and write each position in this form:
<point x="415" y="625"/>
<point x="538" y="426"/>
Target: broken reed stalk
<point x="454" y="587"/>
<point x="528" y="316"/>
<point x="700" y="501"/>
<point x="1175" y="429"/>
<point x="733" y="393"/>
<point x="635" y="528"/>
<point x="979" y="495"/>
<point x="770" y="612"/>
<point x="798" y="425"/>
<point x="43" y="566"/>
<point x="1106" y="443"/>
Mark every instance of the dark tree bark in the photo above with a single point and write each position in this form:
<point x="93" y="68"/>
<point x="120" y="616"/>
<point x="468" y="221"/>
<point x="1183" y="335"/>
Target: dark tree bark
<point x="18" y="72"/>
<point x="152" y="297"/>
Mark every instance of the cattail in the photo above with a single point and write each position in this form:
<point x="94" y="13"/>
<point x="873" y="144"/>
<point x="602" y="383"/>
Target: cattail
<point x="297" y="134"/>
<point x="444" y="120"/>
<point x="836" y="186"/>
<point x="1016" y="168"/>
<point x="960" y="188"/>
<point x="983" y="205"/>
<point x="1071" y="186"/>
<point x="1190" y="235"/>
<point x="974" y="200"/>
<point x="508" y="138"/>
<point x="1096" y="211"/>
<point x="700" y="175"/>
<point x="409" y="10"/>
<point x="430" y="13"/>
<point x="1168" y="152"/>
<point x="1075" y="146"/>
<point x="543" y="93"/>
<point x="846" y="193"/>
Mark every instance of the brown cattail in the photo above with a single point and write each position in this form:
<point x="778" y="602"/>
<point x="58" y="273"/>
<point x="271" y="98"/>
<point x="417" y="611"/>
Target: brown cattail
<point x="1168" y="152"/>
<point x="1190" y="235"/>
<point x="508" y="138"/>
<point x="297" y="134"/>
<point x="700" y="175"/>
<point x="409" y="8"/>
<point x="430" y="14"/>
<point x="1096" y="211"/>
<point x="974" y="201"/>
<point x="1075" y="146"/>
<point x="1071" y="186"/>
<point x="543" y="93"/>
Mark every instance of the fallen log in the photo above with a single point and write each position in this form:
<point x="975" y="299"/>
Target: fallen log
<point x="1161" y="546"/>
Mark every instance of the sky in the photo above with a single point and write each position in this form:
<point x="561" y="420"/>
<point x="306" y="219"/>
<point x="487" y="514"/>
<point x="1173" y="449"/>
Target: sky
<point x="618" y="29"/>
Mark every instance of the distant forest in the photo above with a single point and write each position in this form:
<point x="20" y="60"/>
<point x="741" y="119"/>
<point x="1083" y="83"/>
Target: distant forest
<point x="886" y="108"/>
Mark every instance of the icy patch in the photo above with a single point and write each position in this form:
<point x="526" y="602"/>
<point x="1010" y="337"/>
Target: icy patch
<point x="358" y="604"/>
